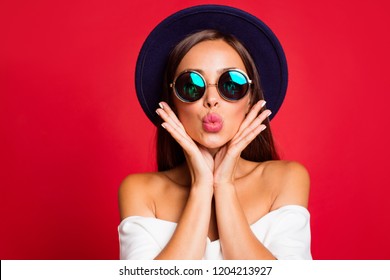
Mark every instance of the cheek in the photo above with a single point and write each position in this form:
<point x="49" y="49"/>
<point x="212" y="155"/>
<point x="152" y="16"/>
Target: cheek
<point x="236" y="121"/>
<point x="238" y="114"/>
<point x="186" y="115"/>
<point x="185" y="119"/>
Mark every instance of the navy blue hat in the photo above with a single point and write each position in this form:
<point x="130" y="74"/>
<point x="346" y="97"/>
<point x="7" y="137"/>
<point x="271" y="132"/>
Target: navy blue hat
<point x="258" y="39"/>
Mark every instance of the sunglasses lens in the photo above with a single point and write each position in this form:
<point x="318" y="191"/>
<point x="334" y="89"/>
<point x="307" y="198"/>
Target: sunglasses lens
<point x="233" y="85"/>
<point x="190" y="86"/>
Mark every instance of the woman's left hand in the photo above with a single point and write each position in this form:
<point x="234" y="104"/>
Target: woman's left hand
<point x="226" y="159"/>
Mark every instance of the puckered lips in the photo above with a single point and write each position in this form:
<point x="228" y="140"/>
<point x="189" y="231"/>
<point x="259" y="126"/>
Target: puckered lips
<point x="212" y="123"/>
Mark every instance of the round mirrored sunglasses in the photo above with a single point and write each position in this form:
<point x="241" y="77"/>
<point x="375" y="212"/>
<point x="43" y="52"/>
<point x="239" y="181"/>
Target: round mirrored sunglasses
<point x="232" y="85"/>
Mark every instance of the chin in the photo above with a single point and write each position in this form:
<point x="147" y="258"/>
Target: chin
<point x="213" y="141"/>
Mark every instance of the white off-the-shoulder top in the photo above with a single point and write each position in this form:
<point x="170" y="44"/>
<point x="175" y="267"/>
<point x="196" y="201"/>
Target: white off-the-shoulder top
<point x="285" y="232"/>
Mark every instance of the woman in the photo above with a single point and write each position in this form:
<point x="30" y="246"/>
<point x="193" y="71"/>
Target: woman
<point x="221" y="192"/>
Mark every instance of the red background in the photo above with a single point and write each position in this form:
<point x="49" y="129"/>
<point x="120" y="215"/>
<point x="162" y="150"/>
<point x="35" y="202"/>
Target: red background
<point x="72" y="129"/>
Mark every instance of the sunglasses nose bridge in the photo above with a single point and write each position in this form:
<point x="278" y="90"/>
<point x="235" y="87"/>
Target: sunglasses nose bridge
<point x="215" y="85"/>
<point x="211" y="95"/>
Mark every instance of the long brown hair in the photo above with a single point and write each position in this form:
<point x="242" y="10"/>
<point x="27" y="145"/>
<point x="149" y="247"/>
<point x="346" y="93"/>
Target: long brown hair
<point x="169" y="152"/>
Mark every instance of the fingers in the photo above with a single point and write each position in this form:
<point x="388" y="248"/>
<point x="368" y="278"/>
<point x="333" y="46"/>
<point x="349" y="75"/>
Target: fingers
<point x="252" y="120"/>
<point x="254" y="126"/>
<point x="253" y="113"/>
<point x="250" y="131"/>
<point x="174" y="126"/>
<point x="166" y="113"/>
<point x="171" y="122"/>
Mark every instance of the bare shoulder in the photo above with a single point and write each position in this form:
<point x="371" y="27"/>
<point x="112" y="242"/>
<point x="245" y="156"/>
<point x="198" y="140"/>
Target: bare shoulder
<point x="291" y="181"/>
<point x="136" y="194"/>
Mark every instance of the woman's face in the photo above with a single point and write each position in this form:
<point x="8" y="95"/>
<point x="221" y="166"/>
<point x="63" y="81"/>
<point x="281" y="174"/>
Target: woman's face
<point x="211" y="121"/>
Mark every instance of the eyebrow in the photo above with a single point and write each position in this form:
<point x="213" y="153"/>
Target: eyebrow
<point x="202" y="72"/>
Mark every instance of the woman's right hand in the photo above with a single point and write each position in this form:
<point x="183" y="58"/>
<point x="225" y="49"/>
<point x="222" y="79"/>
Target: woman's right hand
<point x="199" y="160"/>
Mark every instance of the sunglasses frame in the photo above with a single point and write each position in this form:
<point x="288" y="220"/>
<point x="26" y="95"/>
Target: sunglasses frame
<point x="172" y="85"/>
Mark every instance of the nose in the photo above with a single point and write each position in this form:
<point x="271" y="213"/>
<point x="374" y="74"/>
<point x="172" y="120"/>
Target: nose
<point x="211" y="96"/>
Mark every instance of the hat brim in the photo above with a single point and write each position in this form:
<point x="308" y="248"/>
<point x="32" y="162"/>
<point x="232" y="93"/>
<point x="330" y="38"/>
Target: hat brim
<point x="259" y="40"/>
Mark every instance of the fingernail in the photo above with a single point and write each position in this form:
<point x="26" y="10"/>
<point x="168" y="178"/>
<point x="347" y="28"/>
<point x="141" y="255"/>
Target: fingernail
<point x="269" y="114"/>
<point x="157" y="112"/>
<point x="161" y="105"/>
<point x="263" y="104"/>
<point x="264" y="127"/>
<point x="163" y="125"/>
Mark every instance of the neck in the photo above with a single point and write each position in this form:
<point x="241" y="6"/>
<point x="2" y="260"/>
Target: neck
<point x="213" y="152"/>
